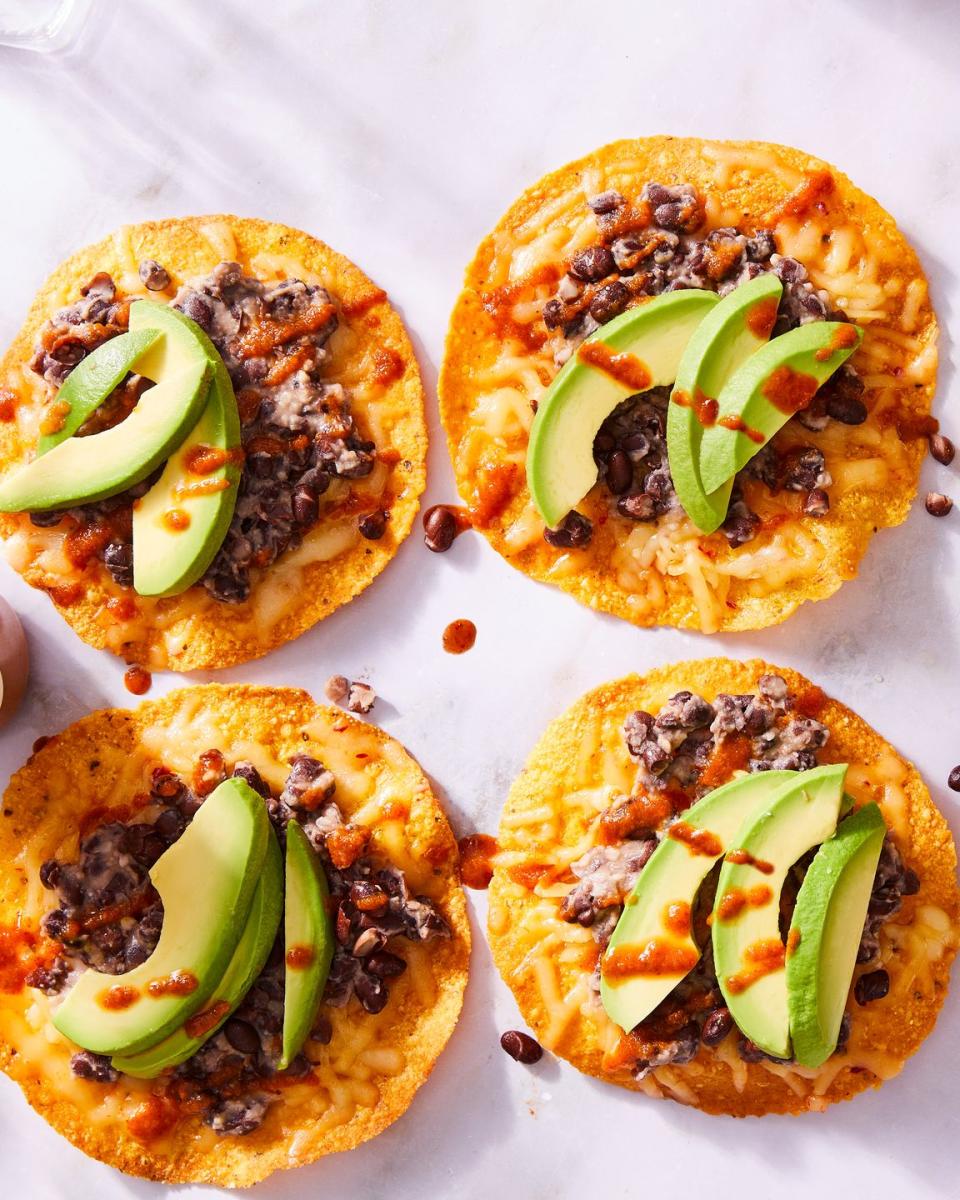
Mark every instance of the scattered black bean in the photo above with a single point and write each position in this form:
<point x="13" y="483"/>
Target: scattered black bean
<point x="872" y="986"/>
<point x="573" y="532"/>
<point x="638" y="507"/>
<point x="439" y="528"/>
<point x="242" y="1036"/>
<point x="953" y="781"/>
<point x="937" y="504"/>
<point x="716" y="1027"/>
<point x="592" y="264"/>
<point x="942" y="448"/>
<point x="521" y="1046"/>
<point x="619" y="473"/>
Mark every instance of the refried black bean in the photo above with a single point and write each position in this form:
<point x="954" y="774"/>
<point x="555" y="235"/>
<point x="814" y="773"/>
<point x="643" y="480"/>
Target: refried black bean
<point x="521" y="1046"/>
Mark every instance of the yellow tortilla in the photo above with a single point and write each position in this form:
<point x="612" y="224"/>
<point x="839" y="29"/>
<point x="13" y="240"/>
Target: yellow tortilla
<point x="669" y="573"/>
<point x="371" y="1069"/>
<point x="370" y="354"/>
<point x="550" y="819"/>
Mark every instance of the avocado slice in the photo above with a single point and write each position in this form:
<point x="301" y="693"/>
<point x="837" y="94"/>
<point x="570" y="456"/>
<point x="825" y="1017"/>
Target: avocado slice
<point x="825" y="933"/>
<point x="777" y="381"/>
<point x="93" y="379"/>
<point x="638" y="350"/>
<point x="748" y="952"/>
<point x="667" y="888"/>
<point x="206" y="881"/>
<point x="251" y="953"/>
<point x="169" y="557"/>
<point x="725" y="338"/>
<point x="308" y="941"/>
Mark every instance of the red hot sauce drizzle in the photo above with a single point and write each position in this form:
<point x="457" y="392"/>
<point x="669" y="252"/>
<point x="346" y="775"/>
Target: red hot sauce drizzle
<point x="459" y="636"/>
<point x="793" y="941"/>
<point x="761" y="958"/>
<point x="762" y="317"/>
<point x="843" y="338"/>
<point x="476" y="851"/>
<point x="654" y="957"/>
<point x="177" y="983"/>
<point x="298" y="958"/>
<point x="697" y="841"/>
<point x="744" y="858"/>
<point x="676" y="918"/>
<point x="731" y="904"/>
<point x="118" y="997"/>
<point x="788" y="390"/>
<point x="705" y="408"/>
<point x="625" y="368"/>
<point x="738" y="425"/>
<point x="202" y="1022"/>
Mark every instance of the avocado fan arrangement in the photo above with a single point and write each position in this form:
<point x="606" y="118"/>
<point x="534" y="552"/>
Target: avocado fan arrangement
<point x="188" y="419"/>
<point x="787" y="997"/>
<point x="224" y="886"/>
<point x="732" y="389"/>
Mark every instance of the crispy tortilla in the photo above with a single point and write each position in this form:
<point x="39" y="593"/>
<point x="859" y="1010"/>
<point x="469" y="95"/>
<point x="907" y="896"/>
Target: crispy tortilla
<point x="580" y="760"/>
<point x="494" y="368"/>
<point x="371" y="1069"/>
<point x="370" y="354"/>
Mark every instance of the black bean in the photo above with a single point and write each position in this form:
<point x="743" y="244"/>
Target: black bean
<point x="605" y="202"/>
<point x="322" y="1031"/>
<point x="610" y="300"/>
<point x="573" y="532"/>
<point x="242" y="1036"/>
<point x="942" y="448"/>
<point x="439" y="528"/>
<point x="872" y="986"/>
<point x="619" y="473"/>
<point x="845" y="408"/>
<point x="198" y="309"/>
<point x="95" y="1067"/>
<point x="554" y="313"/>
<point x="953" y="781"/>
<point x="937" y="504"/>
<point x="169" y="825"/>
<point x="373" y="525"/>
<point x="153" y="276"/>
<point x="817" y="503"/>
<point x="716" y="1027"/>
<point x="385" y="965"/>
<point x="252" y="778"/>
<point x="638" y="506"/>
<point x="521" y="1046"/>
<point x="305" y="506"/>
<point x="592" y="264"/>
<point x="164" y="784"/>
<point x="368" y="897"/>
<point x="49" y="873"/>
<point x="911" y="882"/>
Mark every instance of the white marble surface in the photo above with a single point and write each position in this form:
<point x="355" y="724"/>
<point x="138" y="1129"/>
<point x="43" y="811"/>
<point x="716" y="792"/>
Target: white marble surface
<point x="398" y="132"/>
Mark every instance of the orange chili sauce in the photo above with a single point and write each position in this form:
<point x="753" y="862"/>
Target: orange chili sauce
<point x="654" y="957"/>
<point x="177" y="983"/>
<point x="298" y="958"/>
<point x="738" y="425"/>
<point x="843" y="337"/>
<point x="459" y="636"/>
<point x="788" y="390"/>
<point x="202" y="1022"/>
<point x="476" y="851"/>
<point x="762" y="958"/>
<point x="745" y="858"/>
<point x="732" y="754"/>
<point x="697" y="841"/>
<point x="705" y="408"/>
<point x="137" y="680"/>
<point x="762" y="317"/>
<point x="676" y="918"/>
<point x="118" y="997"/>
<point x="625" y="368"/>
<point x="731" y="904"/>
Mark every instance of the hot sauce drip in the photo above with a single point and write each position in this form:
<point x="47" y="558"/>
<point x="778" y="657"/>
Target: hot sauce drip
<point x="814" y="190"/>
<point x="298" y="958"/>
<point x="388" y="366"/>
<point x="203" y="487"/>
<point x="738" y="425"/>
<point x="459" y="636"/>
<point x="86" y="541"/>
<point x="641" y="813"/>
<point x="154" y="1117"/>
<point x="65" y="594"/>
<point x="499" y="303"/>
<point x="788" y="390"/>
<point x="844" y="336"/>
<point x="731" y="904"/>
<point x="493" y="491"/>
<point x="654" y="957"/>
<point x="793" y="941"/>
<point x="177" y="983"/>
<point x="625" y="368"/>
<point x="762" y="958"/>
<point x="911" y="427"/>
<point x="176" y="520"/>
<point x="476" y="851"/>
<point x="676" y="918"/>
<point x="528" y="874"/>
<point x="732" y="754"/>
<point x="697" y="841"/>
<point x="705" y="408"/>
<point x="356" y="306"/>
<point x="762" y="317"/>
<point x="259" y="340"/>
<point x="745" y="858"/>
<point x="21" y="952"/>
<point x="810" y="702"/>
<point x="137" y="680"/>
<point x="345" y="845"/>
<point x="202" y="1022"/>
<point x="8" y="404"/>
<point x="118" y="997"/>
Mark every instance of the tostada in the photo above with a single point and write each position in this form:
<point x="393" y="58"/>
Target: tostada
<point x="686" y="381"/>
<point x="232" y="935"/>
<point x="715" y="884"/>
<point x="211" y="436"/>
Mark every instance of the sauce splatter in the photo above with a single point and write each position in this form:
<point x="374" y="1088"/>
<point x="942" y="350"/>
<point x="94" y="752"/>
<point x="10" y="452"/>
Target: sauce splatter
<point x="493" y="491"/>
<point x="176" y="520"/>
<point x="388" y="366"/>
<point x="54" y="418"/>
<point x="705" y="408"/>
<point x="499" y="304"/>
<point x="655" y="957"/>
<point x="762" y="317"/>
<point x="356" y="306"/>
<point x="810" y="702"/>
<point x="738" y="425"/>
<point x="118" y="997"/>
<point x="638" y="813"/>
<point x="676" y="918"/>
<point x="298" y="958"/>
<point x="459" y="636"/>
<point x="203" y="487"/>
<point x="528" y="874"/>
<point x="202" y="1022"/>
<point x="260" y="339"/>
<point x="793" y="941"/>
<point x="65" y="594"/>
<point x="814" y="190"/>
<point x="476" y="851"/>
<point x="697" y="841"/>
<point x="844" y="336"/>
<point x="8" y="404"/>
<point x="21" y="952"/>
<point x="761" y="958"/>
<point x="913" y="426"/>
<point x="628" y="370"/>
<point x="731" y="904"/>
<point x="788" y="390"/>
<point x="137" y="680"/>
<point x="177" y="983"/>
<point x="745" y="858"/>
<point x="153" y="1118"/>
<point x="345" y="845"/>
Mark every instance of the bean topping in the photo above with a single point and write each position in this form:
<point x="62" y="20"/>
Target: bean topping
<point x="439" y="528"/>
<point x="953" y="781"/>
<point x="373" y="525"/>
<point x="521" y="1046"/>
<point x="573" y="533"/>
<point x="942" y="448"/>
<point x="872" y="986"/>
<point x="937" y="504"/>
<point x="154" y="277"/>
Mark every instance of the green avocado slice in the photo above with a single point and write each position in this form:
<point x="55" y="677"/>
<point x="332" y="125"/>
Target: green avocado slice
<point x="81" y="470"/>
<point x="748" y="951"/>
<point x="667" y="888"/>
<point x="168" y="558"/>
<point x="308" y="941"/>
<point x="636" y="351"/>
<point x="776" y="382"/>
<point x="206" y="881"/>
<point x="93" y="379"/>
<point x="725" y="338"/>
<point x="251" y="953"/>
<point x="825" y="933"/>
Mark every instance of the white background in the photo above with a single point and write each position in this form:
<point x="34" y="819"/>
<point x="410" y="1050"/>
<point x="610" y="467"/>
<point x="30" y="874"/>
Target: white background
<point x="399" y="132"/>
